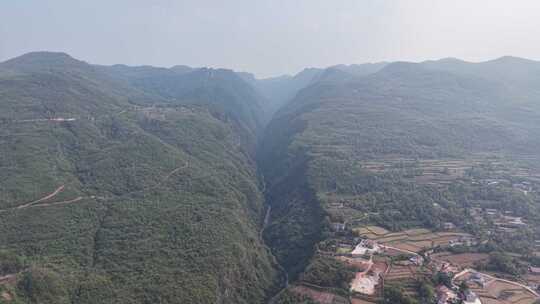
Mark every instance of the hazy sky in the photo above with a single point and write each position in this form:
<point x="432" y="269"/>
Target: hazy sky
<point x="270" y="37"/>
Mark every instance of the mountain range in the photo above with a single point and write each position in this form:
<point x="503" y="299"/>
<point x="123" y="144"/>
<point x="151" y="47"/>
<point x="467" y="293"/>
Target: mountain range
<point x="123" y="184"/>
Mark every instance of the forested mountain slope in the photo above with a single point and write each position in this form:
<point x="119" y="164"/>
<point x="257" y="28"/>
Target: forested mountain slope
<point x="127" y="184"/>
<point x="280" y="90"/>
<point x="115" y="190"/>
<point x="221" y="91"/>
<point x="317" y="144"/>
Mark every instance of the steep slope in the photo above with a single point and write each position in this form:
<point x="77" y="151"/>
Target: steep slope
<point x="115" y="192"/>
<point x="316" y="145"/>
<point x="512" y="73"/>
<point x="220" y="90"/>
<point x="280" y="90"/>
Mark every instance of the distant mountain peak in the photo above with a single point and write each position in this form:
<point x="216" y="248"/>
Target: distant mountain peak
<point x="181" y="69"/>
<point x="43" y="56"/>
<point x="449" y="60"/>
<point x="511" y="60"/>
<point x="399" y="67"/>
<point x="37" y="60"/>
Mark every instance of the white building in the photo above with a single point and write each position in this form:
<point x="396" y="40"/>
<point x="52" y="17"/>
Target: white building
<point x="365" y="247"/>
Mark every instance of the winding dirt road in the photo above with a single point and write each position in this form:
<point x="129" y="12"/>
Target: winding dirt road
<point x="47" y="197"/>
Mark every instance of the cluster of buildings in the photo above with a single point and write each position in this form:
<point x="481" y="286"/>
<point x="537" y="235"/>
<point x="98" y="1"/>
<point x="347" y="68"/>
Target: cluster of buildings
<point x="447" y="295"/>
<point x="503" y="221"/>
<point x="523" y="187"/>
<point x="463" y="241"/>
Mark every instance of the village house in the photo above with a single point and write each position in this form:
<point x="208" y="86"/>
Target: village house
<point x="417" y="260"/>
<point x="448" y="268"/>
<point x="337" y="205"/>
<point x="449" y="226"/>
<point x="338" y="227"/>
<point x="478" y="218"/>
<point x="492" y="212"/>
<point x="493" y="182"/>
<point x="478" y="278"/>
<point x="470" y="297"/>
<point x="446" y="295"/>
<point x="463" y="241"/>
<point x="475" y="210"/>
<point x="534" y="270"/>
<point x="505" y="229"/>
<point x="523" y="187"/>
<point x="510" y="222"/>
<point x="345" y="245"/>
<point x="514" y="220"/>
<point x="365" y="247"/>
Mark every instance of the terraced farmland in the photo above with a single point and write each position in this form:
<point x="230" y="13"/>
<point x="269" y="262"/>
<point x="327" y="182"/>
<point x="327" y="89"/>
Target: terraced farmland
<point x="414" y="240"/>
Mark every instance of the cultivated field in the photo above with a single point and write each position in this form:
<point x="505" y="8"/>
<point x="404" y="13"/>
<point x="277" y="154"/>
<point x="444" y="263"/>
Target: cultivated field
<point x="399" y="273"/>
<point x="413" y="240"/>
<point x="360" y="301"/>
<point x="463" y="259"/>
<point x="497" y="291"/>
<point x="320" y="297"/>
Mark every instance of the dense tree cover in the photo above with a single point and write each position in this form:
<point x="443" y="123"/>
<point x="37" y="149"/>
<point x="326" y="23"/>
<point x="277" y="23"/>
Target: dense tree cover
<point x="426" y="292"/>
<point x="405" y="111"/>
<point x="501" y="262"/>
<point x="328" y="272"/>
<point x="289" y="297"/>
<point x="163" y="163"/>
<point x="425" y="289"/>
<point x="10" y="262"/>
<point x="442" y="278"/>
<point x="396" y="295"/>
<point x="40" y="285"/>
<point x="169" y="209"/>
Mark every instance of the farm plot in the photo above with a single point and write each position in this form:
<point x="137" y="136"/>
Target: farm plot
<point x="499" y="291"/>
<point x="377" y="230"/>
<point x="434" y="171"/>
<point x="391" y="239"/>
<point x="413" y="240"/>
<point x="320" y="297"/>
<point x="406" y="246"/>
<point x="366" y="282"/>
<point x="359" y="263"/>
<point x="463" y="260"/>
<point x="405" y="276"/>
<point x="398" y="273"/>
<point x="360" y="301"/>
<point x="532" y="279"/>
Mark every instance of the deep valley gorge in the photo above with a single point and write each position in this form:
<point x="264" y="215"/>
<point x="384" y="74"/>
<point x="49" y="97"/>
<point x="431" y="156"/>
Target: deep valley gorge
<point x="391" y="182"/>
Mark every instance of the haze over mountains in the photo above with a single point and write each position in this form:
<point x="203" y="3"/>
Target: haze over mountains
<point x="124" y="184"/>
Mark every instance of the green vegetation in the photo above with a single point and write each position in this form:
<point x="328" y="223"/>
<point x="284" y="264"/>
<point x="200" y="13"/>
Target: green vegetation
<point x="42" y="286"/>
<point x="396" y="295"/>
<point x="425" y="289"/>
<point x="169" y="208"/>
<point x="10" y="262"/>
<point x="124" y="184"/>
<point x="426" y="292"/>
<point x="328" y="272"/>
<point x="501" y="262"/>
<point x="289" y="297"/>
<point x="412" y="145"/>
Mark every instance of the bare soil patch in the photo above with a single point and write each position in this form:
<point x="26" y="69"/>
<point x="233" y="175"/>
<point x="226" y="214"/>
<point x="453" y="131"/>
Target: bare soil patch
<point x="315" y="295"/>
<point x="7" y="296"/>
<point x="464" y="259"/>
